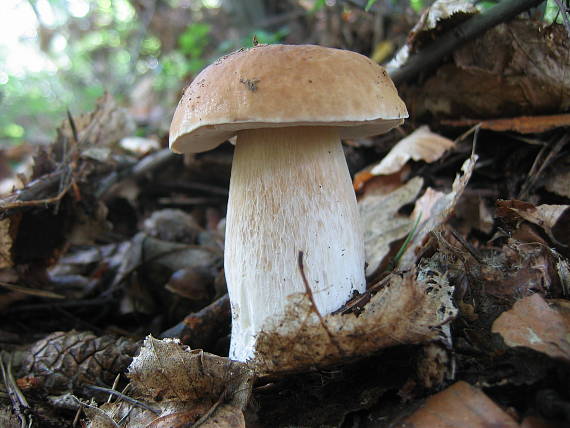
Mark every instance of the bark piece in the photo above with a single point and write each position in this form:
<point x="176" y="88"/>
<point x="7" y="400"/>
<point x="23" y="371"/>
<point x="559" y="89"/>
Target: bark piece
<point x="522" y="124"/>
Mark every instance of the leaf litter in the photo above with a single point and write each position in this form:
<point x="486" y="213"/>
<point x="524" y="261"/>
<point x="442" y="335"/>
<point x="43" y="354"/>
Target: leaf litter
<point x="466" y="313"/>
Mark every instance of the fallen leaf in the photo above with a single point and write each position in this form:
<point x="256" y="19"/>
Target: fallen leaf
<point x="554" y="219"/>
<point x="381" y="224"/>
<point x="167" y="370"/>
<point x="420" y="145"/>
<point x="518" y="270"/>
<point x="559" y="177"/>
<point x="440" y="15"/>
<point x="177" y="387"/>
<point x="460" y="405"/>
<point x="406" y="310"/>
<point x="106" y="125"/>
<point x="525" y="75"/>
<point x="139" y="145"/>
<point x="537" y="324"/>
<point x="438" y="210"/>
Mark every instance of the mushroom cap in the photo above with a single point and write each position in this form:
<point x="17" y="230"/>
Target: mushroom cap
<point x="285" y="85"/>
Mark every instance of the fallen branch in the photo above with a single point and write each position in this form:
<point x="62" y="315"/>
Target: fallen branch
<point x="203" y="328"/>
<point x="430" y="57"/>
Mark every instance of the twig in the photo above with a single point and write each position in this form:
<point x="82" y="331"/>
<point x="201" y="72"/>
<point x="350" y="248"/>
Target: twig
<point x="31" y="291"/>
<point x="124" y="397"/>
<point x="312" y="299"/>
<point x="541" y="161"/>
<point x="564" y="11"/>
<point x="19" y="402"/>
<point x="144" y="166"/>
<point x="466" y="244"/>
<point x="200" y="329"/>
<point x="431" y="56"/>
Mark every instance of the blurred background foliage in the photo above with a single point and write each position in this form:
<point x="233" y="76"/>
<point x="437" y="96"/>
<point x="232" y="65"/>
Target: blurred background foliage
<point x="59" y="55"/>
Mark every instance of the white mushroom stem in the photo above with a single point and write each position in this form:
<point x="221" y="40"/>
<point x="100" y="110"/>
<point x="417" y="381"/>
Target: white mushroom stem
<point x="290" y="191"/>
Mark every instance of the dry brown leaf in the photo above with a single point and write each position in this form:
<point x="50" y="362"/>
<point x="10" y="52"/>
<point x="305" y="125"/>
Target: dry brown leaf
<point x="519" y="270"/>
<point x="441" y="10"/>
<point x="381" y="224"/>
<point x="420" y="145"/>
<point x="426" y="206"/>
<point x="460" y="405"/>
<point x="537" y="324"/>
<point x="180" y="387"/>
<point x="106" y="125"/>
<point x="558" y="180"/>
<point x="167" y="370"/>
<point x="439" y="209"/>
<point x="440" y="15"/>
<point x="526" y="74"/>
<point x="405" y="311"/>
<point x="554" y="219"/>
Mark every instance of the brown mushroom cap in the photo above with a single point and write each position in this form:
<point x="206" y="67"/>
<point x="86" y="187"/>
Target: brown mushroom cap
<point x="283" y="85"/>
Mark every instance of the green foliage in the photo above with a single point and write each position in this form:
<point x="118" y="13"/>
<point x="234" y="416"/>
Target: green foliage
<point x="369" y="4"/>
<point x="193" y="41"/>
<point x="262" y="36"/>
<point x="552" y="13"/>
<point x="318" y="5"/>
<point x="485" y="5"/>
<point x="417" y="5"/>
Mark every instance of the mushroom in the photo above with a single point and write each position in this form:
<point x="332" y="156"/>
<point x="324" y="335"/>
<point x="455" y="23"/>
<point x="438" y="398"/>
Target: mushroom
<point x="290" y="188"/>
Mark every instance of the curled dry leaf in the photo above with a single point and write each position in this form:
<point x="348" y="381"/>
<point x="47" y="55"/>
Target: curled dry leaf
<point x="441" y="14"/>
<point x="405" y="311"/>
<point x="381" y="224"/>
<point x="107" y="124"/>
<point x="177" y="387"/>
<point x="537" y="324"/>
<point x="420" y="145"/>
<point x="167" y="370"/>
<point x="460" y="405"/>
<point x="438" y="210"/>
<point x="554" y="219"/>
<point x="559" y="177"/>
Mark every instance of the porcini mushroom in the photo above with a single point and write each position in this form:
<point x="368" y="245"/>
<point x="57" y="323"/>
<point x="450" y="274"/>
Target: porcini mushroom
<point x="290" y="188"/>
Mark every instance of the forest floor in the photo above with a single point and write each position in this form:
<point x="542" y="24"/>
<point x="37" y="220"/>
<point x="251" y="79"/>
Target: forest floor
<point x="109" y="248"/>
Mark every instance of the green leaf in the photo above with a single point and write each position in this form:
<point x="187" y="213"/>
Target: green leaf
<point x="318" y="5"/>
<point x="417" y="5"/>
<point x="369" y="5"/>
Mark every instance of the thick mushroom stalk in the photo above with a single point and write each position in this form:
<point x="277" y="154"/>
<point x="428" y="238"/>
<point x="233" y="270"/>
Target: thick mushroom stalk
<point x="290" y="191"/>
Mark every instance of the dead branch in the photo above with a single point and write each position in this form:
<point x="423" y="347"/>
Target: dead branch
<point x="201" y="329"/>
<point x="431" y="56"/>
